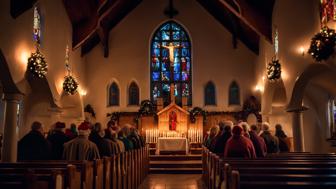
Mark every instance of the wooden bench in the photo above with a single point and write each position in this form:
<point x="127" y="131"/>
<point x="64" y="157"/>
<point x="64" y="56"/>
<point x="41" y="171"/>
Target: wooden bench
<point x="121" y="171"/>
<point x="290" y="170"/>
<point x="42" y="178"/>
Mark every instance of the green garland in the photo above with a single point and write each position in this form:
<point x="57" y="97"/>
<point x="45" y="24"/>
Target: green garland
<point x="322" y="44"/>
<point x="70" y="85"/>
<point x="195" y="112"/>
<point x="274" y="70"/>
<point x="37" y="64"/>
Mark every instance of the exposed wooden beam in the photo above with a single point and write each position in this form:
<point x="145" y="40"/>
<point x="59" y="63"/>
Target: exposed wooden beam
<point x="17" y="7"/>
<point x="240" y="16"/>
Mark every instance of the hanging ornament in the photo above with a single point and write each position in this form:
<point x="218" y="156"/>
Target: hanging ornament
<point x="322" y="44"/>
<point x="70" y="84"/>
<point x="274" y="70"/>
<point x="37" y="64"/>
<point x="274" y="67"/>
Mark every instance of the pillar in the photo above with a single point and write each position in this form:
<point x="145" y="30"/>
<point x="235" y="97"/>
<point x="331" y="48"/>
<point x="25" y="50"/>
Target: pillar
<point x="332" y="119"/>
<point x="9" y="149"/>
<point x="297" y="126"/>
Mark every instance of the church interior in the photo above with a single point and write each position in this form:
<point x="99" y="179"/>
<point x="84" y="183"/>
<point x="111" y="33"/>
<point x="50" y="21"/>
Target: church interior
<point x="126" y="94"/>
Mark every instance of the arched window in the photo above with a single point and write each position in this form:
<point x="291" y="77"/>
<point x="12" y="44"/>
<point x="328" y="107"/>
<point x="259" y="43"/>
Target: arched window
<point x="170" y="63"/>
<point x="133" y="94"/>
<point x="234" y="94"/>
<point x="210" y="94"/>
<point x="114" y="95"/>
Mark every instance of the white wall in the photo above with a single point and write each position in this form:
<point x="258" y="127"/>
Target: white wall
<point x="297" y="23"/>
<point x="16" y="43"/>
<point x="213" y="57"/>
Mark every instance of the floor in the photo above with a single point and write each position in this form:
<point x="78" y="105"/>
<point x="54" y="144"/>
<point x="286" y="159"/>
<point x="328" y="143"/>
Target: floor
<point x="172" y="181"/>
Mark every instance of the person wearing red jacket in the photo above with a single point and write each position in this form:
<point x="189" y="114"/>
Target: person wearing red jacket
<point x="239" y="145"/>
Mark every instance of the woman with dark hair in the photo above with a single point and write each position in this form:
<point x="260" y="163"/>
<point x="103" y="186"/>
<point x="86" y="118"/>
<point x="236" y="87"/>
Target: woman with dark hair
<point x="284" y="143"/>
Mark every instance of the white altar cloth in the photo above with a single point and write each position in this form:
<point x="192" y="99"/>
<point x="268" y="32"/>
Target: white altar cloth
<point x="172" y="144"/>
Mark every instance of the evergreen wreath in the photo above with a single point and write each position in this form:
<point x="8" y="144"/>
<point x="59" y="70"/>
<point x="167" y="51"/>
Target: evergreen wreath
<point x="274" y="70"/>
<point x="70" y="85"/>
<point x="37" y="64"/>
<point x="322" y="44"/>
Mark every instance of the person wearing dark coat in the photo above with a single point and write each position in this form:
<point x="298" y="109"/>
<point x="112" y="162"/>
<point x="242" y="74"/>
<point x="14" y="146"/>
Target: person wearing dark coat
<point x="239" y="145"/>
<point x="258" y="142"/>
<point x="57" y="140"/>
<point x="271" y="141"/>
<point x="104" y="145"/>
<point x="33" y="146"/>
<point x="284" y="143"/>
<point x="223" y="138"/>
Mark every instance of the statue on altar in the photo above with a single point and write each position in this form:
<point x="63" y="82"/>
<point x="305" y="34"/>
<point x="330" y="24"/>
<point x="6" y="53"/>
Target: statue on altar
<point x="172" y="121"/>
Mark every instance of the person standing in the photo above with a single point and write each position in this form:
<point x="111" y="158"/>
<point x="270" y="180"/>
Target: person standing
<point x="239" y="145"/>
<point x="224" y="137"/>
<point x="258" y="142"/>
<point x="271" y="141"/>
<point x="57" y="140"/>
<point x="105" y="146"/>
<point x="81" y="148"/>
<point x="284" y="142"/>
<point x="33" y="146"/>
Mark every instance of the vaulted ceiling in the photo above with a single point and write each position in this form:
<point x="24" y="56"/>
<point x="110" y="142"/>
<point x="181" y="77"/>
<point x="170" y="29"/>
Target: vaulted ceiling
<point x="92" y="20"/>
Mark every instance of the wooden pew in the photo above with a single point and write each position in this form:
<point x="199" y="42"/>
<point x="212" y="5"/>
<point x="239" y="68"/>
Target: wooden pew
<point x="84" y="167"/>
<point x="285" y="173"/>
<point x="12" y="176"/>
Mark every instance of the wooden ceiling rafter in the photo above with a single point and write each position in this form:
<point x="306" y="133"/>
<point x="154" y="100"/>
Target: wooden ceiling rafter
<point x="247" y="22"/>
<point x="106" y="14"/>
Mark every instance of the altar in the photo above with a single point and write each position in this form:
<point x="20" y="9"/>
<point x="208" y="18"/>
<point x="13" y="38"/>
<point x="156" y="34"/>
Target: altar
<point x="172" y="145"/>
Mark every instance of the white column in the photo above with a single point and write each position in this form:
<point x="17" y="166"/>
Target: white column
<point x="297" y="126"/>
<point x="331" y="119"/>
<point x="9" y="150"/>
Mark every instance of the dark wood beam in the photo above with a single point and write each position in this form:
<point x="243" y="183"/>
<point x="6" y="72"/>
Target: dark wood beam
<point x="17" y="7"/>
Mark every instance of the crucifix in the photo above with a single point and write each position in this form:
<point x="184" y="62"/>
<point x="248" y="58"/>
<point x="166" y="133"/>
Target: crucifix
<point x="171" y="48"/>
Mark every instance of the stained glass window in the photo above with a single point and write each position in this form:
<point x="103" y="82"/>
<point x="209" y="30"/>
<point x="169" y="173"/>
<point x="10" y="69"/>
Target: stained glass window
<point x="114" y="95"/>
<point x="210" y="94"/>
<point x="174" y="68"/>
<point x="234" y="94"/>
<point x="133" y="94"/>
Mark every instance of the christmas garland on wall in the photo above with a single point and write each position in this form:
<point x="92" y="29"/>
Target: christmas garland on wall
<point x="195" y="112"/>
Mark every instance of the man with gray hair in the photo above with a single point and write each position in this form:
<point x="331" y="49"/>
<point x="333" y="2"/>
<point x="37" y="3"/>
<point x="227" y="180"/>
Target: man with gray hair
<point x="271" y="141"/>
<point x="33" y="146"/>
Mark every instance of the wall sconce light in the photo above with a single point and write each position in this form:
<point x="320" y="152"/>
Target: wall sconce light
<point x="302" y="50"/>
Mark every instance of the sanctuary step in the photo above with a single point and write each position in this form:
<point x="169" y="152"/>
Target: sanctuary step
<point x="194" y="148"/>
<point x="175" y="164"/>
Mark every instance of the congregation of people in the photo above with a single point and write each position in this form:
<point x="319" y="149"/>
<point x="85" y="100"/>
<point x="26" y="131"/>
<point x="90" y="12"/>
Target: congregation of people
<point x="85" y="142"/>
<point x="246" y="141"/>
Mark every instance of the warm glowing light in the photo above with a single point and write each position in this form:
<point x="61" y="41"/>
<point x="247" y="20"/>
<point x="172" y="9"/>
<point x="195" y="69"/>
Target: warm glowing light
<point x="259" y="88"/>
<point x="302" y="50"/>
<point x="82" y="92"/>
<point x="22" y="54"/>
<point x="24" y="57"/>
<point x="284" y="74"/>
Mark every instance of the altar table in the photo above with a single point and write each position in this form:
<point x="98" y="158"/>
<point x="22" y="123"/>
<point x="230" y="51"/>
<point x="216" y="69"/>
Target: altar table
<point x="172" y="144"/>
